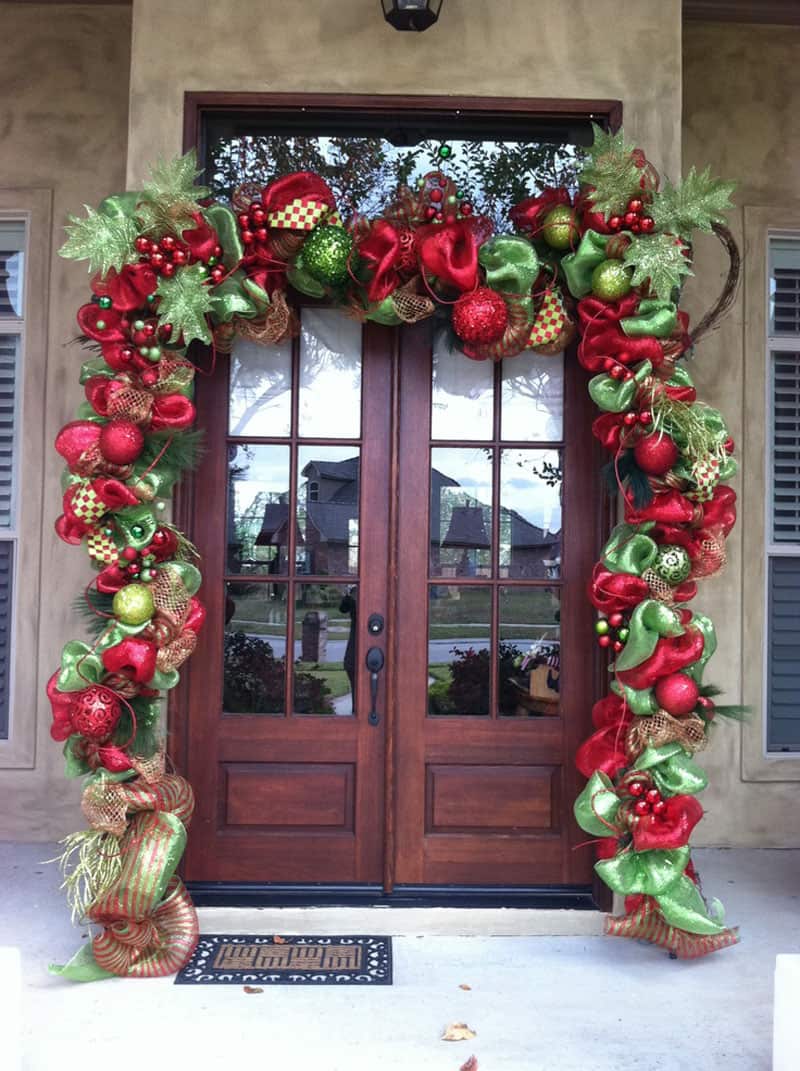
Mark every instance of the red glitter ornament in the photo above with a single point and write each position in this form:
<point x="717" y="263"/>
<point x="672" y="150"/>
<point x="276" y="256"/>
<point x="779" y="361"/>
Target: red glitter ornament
<point x="95" y="712"/>
<point x="480" y="316"/>
<point x="121" y="442"/>
<point x="655" y="454"/>
<point x="677" y="694"/>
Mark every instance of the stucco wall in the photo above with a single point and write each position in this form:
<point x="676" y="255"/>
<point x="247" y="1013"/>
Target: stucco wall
<point x="741" y="91"/>
<point x="64" y="74"/>
<point x="550" y="48"/>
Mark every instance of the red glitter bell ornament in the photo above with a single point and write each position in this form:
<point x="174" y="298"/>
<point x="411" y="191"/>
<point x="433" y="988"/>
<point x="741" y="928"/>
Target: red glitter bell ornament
<point x="480" y="316"/>
<point x="95" y="712"/>
<point x="121" y="442"/>
<point x="656" y="453"/>
<point x="677" y="694"/>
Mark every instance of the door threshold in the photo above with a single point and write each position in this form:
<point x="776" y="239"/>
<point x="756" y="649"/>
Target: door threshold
<point x="411" y="911"/>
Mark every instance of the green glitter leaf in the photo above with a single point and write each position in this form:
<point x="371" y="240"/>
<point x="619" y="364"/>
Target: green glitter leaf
<point x="611" y="169"/>
<point x="658" y="259"/>
<point x="693" y="204"/>
<point x="104" y="241"/>
<point x="169" y="200"/>
<point x="184" y="302"/>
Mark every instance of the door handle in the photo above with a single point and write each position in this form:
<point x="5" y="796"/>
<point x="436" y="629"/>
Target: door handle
<point x="375" y="662"/>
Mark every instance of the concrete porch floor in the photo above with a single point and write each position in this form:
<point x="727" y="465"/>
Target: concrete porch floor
<point x="574" y="1003"/>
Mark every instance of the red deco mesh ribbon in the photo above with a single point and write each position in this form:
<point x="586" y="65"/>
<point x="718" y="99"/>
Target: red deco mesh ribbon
<point x="646" y="923"/>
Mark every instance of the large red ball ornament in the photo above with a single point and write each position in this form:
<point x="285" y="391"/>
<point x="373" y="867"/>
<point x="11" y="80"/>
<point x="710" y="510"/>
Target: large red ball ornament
<point x="656" y="453"/>
<point x="677" y="694"/>
<point x="121" y="442"/>
<point x="95" y="712"/>
<point x="480" y="316"/>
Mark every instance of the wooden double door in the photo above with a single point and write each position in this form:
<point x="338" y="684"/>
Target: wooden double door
<point x="394" y="674"/>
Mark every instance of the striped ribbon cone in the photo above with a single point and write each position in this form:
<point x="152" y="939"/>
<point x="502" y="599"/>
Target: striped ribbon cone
<point x="647" y="924"/>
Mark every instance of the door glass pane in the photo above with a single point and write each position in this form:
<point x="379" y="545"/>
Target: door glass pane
<point x="327" y="510"/>
<point x="325" y="649"/>
<point x="254" y="680"/>
<point x="330" y="375"/>
<point x="532" y="405"/>
<point x="258" y="509"/>
<point x="530" y="514"/>
<point x="461" y="511"/>
<point x="459" y="668"/>
<point x="529" y="660"/>
<point x="462" y="395"/>
<point x="260" y="389"/>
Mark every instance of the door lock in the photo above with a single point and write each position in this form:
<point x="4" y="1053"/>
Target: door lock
<point x="375" y="624"/>
<point x="375" y="663"/>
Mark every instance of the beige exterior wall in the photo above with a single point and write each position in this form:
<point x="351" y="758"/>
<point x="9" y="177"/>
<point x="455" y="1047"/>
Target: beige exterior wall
<point x="64" y="107"/>
<point x="741" y="90"/>
<point x="64" y="74"/>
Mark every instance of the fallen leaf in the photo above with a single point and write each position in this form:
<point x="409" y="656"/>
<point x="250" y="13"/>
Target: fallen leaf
<point x="465" y="986"/>
<point x="470" y="1065"/>
<point x="278" y="940"/>
<point x="253" y="989"/>
<point x="458" y="1032"/>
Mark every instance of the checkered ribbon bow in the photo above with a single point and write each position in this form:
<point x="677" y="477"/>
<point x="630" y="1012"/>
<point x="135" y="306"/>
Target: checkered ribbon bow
<point x="299" y="202"/>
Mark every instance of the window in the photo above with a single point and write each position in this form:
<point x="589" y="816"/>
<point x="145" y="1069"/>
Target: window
<point x="782" y="678"/>
<point x="12" y="274"/>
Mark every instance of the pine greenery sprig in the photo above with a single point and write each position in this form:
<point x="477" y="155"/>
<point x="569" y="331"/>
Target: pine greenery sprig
<point x="694" y="204"/>
<point x="610" y="168"/>
<point x="182" y="451"/>
<point x="85" y="605"/>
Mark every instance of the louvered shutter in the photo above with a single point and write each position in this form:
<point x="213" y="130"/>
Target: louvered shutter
<point x="783" y="555"/>
<point x="12" y="246"/>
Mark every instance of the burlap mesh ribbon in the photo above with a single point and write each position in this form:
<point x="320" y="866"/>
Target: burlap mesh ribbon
<point x="279" y="322"/>
<point x="647" y="924"/>
<point x="106" y="804"/>
<point x="661" y="728"/>
<point x="410" y="306"/>
<point x="659" y="588"/>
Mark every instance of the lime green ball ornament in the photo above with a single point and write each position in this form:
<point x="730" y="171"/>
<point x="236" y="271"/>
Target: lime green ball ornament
<point x="133" y="604"/>
<point x="560" y="228"/>
<point x="326" y="253"/>
<point x="611" y="280"/>
<point x="601" y="627"/>
<point x="672" y="564"/>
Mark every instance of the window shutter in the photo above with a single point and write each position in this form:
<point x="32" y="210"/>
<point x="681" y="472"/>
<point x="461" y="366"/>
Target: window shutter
<point x="9" y="355"/>
<point x="783" y="655"/>
<point x="6" y="607"/>
<point x="786" y="447"/>
<point x="12" y="243"/>
<point x="784" y="287"/>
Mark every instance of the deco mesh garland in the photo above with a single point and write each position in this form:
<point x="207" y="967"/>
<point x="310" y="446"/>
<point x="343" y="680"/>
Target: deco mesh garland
<point x="172" y="270"/>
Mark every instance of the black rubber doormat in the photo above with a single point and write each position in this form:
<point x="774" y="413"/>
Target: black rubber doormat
<point x="236" y="959"/>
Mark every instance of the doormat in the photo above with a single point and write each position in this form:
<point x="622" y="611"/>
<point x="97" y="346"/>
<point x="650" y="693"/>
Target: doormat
<point x="242" y="959"/>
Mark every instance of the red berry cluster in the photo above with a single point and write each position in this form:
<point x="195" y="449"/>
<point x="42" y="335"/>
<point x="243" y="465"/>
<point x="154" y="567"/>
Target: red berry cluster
<point x="648" y="800"/>
<point x="634" y="219"/>
<point x="438" y="210"/>
<point x="612" y="631"/>
<point x="168" y="254"/>
<point x="253" y="224"/>
<point x="141" y="562"/>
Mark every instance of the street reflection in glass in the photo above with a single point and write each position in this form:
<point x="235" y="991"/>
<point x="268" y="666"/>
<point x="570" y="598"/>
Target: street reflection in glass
<point x="258" y="510"/>
<point x="530" y="514"/>
<point x="459" y="667"/>
<point x="327" y="510"/>
<point x="529" y="654"/>
<point x="461" y="512"/>
<point x="254" y="679"/>
<point x="325" y="649"/>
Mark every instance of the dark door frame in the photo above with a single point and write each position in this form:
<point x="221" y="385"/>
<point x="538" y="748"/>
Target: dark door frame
<point x="508" y="110"/>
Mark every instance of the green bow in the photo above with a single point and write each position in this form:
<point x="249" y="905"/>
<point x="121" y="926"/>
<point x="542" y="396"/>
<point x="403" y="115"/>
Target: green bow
<point x="511" y="265"/>
<point x="80" y="667"/>
<point x="578" y="266"/>
<point x="617" y="395"/>
<point x="673" y="770"/>
<point x="653" y="317"/>
<point x="597" y="806"/>
<point x="641" y="701"/>
<point x="649" y="622"/>
<point x="629" y="550"/>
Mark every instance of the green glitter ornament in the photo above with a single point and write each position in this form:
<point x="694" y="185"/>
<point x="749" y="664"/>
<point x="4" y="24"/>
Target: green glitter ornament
<point x="672" y="564"/>
<point x="445" y="151"/>
<point x="601" y="627"/>
<point x="133" y="604"/>
<point x="326" y="253"/>
<point x="611" y="280"/>
<point x="560" y="228"/>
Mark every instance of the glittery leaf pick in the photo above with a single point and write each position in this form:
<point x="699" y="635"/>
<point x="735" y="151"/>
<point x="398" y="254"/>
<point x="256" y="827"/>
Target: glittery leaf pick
<point x="184" y="301"/>
<point x="659" y="259"/>
<point x="170" y="198"/>
<point x="105" y="241"/>
<point x="693" y="204"/>
<point x="611" y="169"/>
